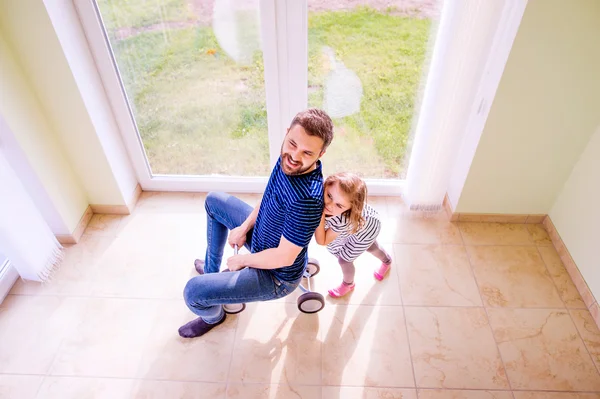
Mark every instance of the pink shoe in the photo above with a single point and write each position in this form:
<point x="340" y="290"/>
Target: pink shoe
<point x="342" y="290"/>
<point x="382" y="271"/>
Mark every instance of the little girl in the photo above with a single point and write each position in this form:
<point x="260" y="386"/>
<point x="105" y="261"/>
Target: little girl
<point x="349" y="227"/>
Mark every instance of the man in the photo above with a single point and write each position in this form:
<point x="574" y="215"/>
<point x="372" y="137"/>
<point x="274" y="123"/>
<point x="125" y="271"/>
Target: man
<point x="277" y="232"/>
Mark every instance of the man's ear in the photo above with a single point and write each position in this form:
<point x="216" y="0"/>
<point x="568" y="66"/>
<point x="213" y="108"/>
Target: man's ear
<point x="323" y="151"/>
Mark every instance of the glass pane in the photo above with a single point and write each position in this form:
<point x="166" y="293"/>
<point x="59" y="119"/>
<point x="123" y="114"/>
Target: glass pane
<point x="193" y="72"/>
<point x="364" y="68"/>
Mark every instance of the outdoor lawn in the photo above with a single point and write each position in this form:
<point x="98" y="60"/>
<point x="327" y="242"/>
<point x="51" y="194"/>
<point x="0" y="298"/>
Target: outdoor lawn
<point x="200" y="111"/>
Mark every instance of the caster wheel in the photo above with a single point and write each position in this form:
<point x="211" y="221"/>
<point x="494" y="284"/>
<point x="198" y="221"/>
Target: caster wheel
<point x="311" y="302"/>
<point x="234" y="308"/>
<point x="313" y="268"/>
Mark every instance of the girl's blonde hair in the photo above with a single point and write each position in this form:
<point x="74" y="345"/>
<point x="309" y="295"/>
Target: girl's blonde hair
<point x="356" y="191"/>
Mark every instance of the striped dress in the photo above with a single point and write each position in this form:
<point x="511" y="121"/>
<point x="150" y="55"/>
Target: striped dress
<point x="348" y="246"/>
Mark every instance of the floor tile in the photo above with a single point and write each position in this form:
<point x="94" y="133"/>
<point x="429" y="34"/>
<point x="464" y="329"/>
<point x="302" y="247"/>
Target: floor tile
<point x="19" y="386"/>
<point x="495" y="234"/>
<point x="368" y="290"/>
<point x="461" y="394"/>
<point x="589" y="333"/>
<point x="104" y="225"/>
<point x="267" y="391"/>
<point x="513" y="277"/>
<point x="167" y="356"/>
<point x="380" y="204"/>
<point x="365" y="346"/>
<point x="32" y="329"/>
<point x="402" y="226"/>
<point x="108" y="340"/>
<point x="434" y="275"/>
<point x="565" y="285"/>
<point x="539" y="235"/>
<point x="106" y="325"/>
<point x="152" y="257"/>
<point x="75" y="275"/>
<point x="542" y="350"/>
<point x="177" y="390"/>
<point x="368" y="393"/>
<point x="420" y="230"/>
<point x="454" y="348"/>
<point x="151" y="201"/>
<point x="92" y="388"/>
<point x="396" y="206"/>
<point x="555" y="395"/>
<point x="276" y="344"/>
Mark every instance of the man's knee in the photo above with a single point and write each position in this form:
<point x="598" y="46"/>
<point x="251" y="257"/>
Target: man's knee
<point x="193" y="294"/>
<point x="215" y="200"/>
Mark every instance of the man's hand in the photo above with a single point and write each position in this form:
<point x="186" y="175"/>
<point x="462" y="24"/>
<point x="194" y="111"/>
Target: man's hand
<point x="236" y="262"/>
<point x="237" y="237"/>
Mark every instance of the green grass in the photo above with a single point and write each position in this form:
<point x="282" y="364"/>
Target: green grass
<point x="197" y="113"/>
<point x="387" y="53"/>
<point x="139" y="13"/>
<point x="203" y="113"/>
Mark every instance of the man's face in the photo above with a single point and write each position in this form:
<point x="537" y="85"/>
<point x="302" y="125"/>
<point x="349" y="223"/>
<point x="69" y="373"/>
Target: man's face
<point x="300" y="151"/>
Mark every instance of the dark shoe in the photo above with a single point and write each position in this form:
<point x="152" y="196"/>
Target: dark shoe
<point x="198" y="327"/>
<point x="199" y="265"/>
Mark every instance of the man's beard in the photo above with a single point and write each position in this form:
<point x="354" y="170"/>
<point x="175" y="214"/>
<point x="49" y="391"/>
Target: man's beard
<point x="294" y="172"/>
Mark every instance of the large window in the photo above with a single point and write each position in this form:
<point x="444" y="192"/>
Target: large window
<point x="211" y="84"/>
<point x="195" y="81"/>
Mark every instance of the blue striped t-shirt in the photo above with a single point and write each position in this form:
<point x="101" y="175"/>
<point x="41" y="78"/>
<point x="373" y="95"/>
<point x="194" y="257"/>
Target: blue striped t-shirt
<point x="291" y="207"/>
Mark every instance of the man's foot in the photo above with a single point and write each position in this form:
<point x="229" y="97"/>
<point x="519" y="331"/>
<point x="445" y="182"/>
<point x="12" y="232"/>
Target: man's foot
<point x="198" y="327"/>
<point x="382" y="271"/>
<point x="342" y="290"/>
<point x="199" y="265"/>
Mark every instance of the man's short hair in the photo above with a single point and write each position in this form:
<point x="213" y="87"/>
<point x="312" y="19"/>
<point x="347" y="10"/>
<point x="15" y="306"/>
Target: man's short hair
<point x="315" y="122"/>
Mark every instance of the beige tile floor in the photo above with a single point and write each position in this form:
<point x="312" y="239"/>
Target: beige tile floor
<point x="468" y="311"/>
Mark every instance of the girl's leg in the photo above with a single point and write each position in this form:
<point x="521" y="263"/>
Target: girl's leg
<point x="386" y="260"/>
<point x="347" y="285"/>
<point x="377" y="251"/>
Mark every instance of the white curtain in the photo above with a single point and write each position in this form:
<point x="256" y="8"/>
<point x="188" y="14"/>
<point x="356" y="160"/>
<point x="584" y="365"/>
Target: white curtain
<point x="25" y="238"/>
<point x="462" y="46"/>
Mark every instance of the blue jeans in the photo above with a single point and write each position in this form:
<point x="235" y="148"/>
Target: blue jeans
<point x="206" y="294"/>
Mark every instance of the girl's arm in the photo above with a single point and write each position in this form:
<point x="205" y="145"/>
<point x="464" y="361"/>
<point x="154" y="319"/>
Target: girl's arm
<point x="324" y="236"/>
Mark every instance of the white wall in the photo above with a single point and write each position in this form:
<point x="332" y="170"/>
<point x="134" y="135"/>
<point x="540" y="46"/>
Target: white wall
<point x="27" y="122"/>
<point x="17" y="159"/>
<point x="70" y="94"/>
<point x="545" y="110"/>
<point x="576" y="214"/>
<point x="71" y="36"/>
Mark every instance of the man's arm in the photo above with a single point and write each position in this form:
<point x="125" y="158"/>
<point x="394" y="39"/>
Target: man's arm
<point x="302" y="218"/>
<point x="272" y="258"/>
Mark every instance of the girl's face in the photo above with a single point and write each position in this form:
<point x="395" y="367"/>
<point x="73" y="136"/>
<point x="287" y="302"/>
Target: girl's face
<point x="336" y="202"/>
